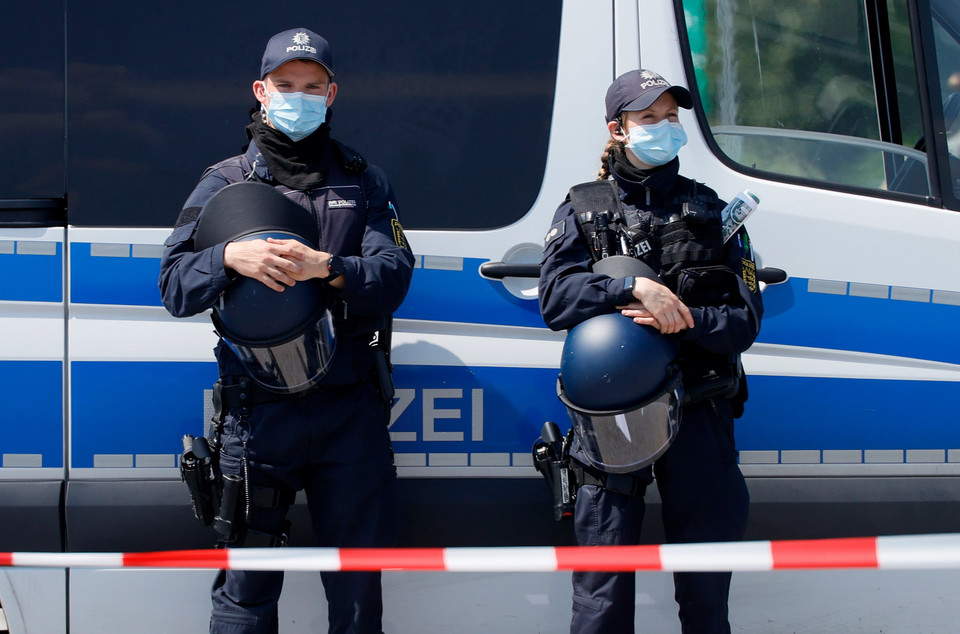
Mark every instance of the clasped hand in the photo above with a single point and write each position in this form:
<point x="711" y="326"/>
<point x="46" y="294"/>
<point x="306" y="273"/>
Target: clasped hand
<point x="658" y="307"/>
<point x="277" y="263"/>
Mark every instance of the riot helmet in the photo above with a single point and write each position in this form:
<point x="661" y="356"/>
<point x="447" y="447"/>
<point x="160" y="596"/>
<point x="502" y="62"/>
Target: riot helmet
<point x="621" y="385"/>
<point x="285" y="340"/>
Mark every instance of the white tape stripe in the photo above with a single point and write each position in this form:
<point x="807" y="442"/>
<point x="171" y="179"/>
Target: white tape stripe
<point x="919" y="551"/>
<point x="302" y="559"/>
<point x="536" y="559"/>
<point x="68" y="560"/>
<point x="716" y="557"/>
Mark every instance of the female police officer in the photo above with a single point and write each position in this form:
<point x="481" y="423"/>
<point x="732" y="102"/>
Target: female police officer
<point x="326" y="434"/>
<point x="672" y="224"/>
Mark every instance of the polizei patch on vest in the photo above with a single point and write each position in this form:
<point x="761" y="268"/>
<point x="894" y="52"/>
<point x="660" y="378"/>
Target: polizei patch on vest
<point x="748" y="271"/>
<point x="398" y="238"/>
<point x="341" y="204"/>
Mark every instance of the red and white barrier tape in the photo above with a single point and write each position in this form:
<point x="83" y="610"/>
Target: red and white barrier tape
<point x="900" y="552"/>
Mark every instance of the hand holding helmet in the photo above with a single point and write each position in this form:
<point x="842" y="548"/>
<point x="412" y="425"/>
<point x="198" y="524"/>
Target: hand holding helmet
<point x="620" y="382"/>
<point x="308" y="264"/>
<point x="268" y="261"/>
<point x="284" y="340"/>
<point x="656" y="306"/>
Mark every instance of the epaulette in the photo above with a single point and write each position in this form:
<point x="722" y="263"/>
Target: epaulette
<point x="350" y="159"/>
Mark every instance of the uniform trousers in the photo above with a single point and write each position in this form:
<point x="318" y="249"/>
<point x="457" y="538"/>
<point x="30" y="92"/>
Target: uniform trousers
<point x="704" y="499"/>
<point x="334" y="445"/>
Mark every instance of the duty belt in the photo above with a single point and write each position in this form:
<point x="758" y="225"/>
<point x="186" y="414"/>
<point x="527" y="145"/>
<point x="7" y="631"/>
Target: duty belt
<point x="623" y="483"/>
<point x="245" y="392"/>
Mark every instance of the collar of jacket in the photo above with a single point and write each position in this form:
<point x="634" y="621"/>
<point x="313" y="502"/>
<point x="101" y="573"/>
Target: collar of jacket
<point x="300" y="165"/>
<point x="258" y="165"/>
<point x="657" y="184"/>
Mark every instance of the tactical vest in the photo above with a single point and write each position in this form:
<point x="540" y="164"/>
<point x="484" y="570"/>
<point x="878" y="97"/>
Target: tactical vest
<point x="683" y="242"/>
<point x="685" y="234"/>
<point x="343" y="192"/>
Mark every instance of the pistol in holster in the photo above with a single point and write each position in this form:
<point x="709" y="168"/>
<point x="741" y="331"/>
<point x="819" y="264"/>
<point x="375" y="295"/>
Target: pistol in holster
<point x="551" y="457"/>
<point x="200" y="469"/>
<point x="200" y="465"/>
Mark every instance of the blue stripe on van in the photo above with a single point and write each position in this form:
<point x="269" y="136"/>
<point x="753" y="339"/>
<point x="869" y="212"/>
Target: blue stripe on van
<point x="32" y="275"/>
<point x="506" y="417"/>
<point x="31" y="419"/>
<point x="115" y="277"/>
<point x="818" y="413"/>
<point x="918" y="330"/>
<point x="463" y="296"/>
<point x="110" y="275"/>
<point x="144" y="408"/>
<point x="136" y="408"/>
<point x="794" y="315"/>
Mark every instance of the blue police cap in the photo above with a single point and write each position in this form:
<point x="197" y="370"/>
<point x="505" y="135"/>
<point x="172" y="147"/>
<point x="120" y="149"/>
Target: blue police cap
<point x="638" y="89"/>
<point x="296" y="44"/>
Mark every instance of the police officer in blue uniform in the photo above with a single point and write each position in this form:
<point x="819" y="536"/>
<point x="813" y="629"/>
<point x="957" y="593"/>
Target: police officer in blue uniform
<point x="327" y="434"/>
<point x="707" y="300"/>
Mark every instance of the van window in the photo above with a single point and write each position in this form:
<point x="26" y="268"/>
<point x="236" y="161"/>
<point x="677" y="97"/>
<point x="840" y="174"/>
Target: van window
<point x="946" y="30"/>
<point x="792" y="88"/>
<point x="31" y="113"/>
<point x="453" y="104"/>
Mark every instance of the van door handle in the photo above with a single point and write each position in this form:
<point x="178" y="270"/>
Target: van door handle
<point x="500" y="270"/>
<point x="770" y="275"/>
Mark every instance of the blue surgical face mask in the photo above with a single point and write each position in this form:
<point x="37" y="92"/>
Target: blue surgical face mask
<point x="657" y="144"/>
<point x="297" y="114"/>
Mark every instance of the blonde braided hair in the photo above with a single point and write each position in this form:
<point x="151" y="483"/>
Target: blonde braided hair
<point x="614" y="148"/>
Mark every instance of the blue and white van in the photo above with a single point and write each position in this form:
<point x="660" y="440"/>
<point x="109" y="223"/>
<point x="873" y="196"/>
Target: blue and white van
<point x="842" y="117"/>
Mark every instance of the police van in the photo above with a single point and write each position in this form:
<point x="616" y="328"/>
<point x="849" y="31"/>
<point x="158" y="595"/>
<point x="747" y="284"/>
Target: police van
<point x="842" y="117"/>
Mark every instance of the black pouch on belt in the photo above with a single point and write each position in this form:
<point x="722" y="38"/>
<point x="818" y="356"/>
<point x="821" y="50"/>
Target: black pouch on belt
<point x="709" y="375"/>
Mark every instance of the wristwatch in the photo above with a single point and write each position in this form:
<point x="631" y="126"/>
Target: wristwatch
<point x="334" y="268"/>
<point x="629" y="284"/>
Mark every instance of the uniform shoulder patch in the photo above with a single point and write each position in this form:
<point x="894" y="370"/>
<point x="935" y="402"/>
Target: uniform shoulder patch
<point x="555" y="232"/>
<point x="399" y="238"/>
<point x="187" y="215"/>
<point x="748" y="271"/>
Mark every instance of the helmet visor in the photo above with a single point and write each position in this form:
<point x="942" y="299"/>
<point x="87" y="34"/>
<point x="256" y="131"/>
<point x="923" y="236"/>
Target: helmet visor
<point x="294" y="365"/>
<point x="625" y="441"/>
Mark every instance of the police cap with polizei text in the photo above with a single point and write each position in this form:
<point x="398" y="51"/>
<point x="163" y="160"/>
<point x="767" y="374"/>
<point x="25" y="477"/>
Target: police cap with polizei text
<point x="296" y="44"/>
<point x="638" y="89"/>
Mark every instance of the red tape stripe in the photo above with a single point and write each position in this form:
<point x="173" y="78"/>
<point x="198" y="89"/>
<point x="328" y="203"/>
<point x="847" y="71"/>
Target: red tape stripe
<point x="854" y="552"/>
<point x="608" y="558"/>
<point x="178" y="559"/>
<point x="6" y="559"/>
<point x="392" y="559"/>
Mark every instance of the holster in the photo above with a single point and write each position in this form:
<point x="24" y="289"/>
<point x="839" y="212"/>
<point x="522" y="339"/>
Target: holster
<point x="200" y="469"/>
<point x="556" y="471"/>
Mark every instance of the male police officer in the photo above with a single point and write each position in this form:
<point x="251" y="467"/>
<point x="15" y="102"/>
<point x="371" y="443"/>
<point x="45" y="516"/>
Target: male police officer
<point x="327" y="436"/>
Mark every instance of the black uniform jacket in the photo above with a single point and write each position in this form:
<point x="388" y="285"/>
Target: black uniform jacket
<point x="357" y="219"/>
<point x="570" y="292"/>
